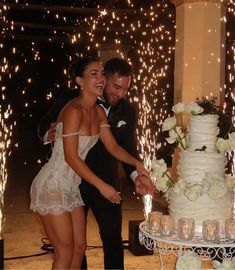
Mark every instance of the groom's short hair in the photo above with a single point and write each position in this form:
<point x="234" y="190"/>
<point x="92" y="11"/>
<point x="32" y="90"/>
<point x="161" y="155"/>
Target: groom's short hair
<point x="118" y="65"/>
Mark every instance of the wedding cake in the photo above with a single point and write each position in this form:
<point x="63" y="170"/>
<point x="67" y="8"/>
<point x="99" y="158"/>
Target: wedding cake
<point x="201" y="191"/>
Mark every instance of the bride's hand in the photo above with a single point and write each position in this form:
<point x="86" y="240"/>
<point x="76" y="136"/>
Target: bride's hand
<point x="110" y="193"/>
<point x="141" y="170"/>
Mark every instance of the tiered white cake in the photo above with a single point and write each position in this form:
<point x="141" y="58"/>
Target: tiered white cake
<point x="200" y="169"/>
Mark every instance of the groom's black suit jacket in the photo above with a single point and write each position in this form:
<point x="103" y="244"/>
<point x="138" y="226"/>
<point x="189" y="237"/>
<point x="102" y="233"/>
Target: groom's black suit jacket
<point x="122" y="119"/>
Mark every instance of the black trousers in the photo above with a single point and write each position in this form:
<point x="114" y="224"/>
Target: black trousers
<point x="109" y="220"/>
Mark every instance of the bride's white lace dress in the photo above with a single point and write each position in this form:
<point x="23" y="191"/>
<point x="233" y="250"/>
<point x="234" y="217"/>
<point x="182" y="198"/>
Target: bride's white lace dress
<point x="55" y="189"/>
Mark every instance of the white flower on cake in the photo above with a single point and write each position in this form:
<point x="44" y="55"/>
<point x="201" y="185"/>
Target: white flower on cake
<point x="179" y="108"/>
<point x="217" y="190"/>
<point x="193" y="192"/>
<point x="188" y="261"/>
<point x="194" y="108"/>
<point x="227" y="145"/>
<point x="230" y="181"/>
<point x="164" y="182"/>
<point x="177" y="135"/>
<point x="226" y="264"/>
<point x="216" y="186"/>
<point x="159" y="167"/>
<point x="222" y="145"/>
<point x="180" y="186"/>
<point x="210" y="178"/>
<point x="169" y="123"/>
<point x="163" y="177"/>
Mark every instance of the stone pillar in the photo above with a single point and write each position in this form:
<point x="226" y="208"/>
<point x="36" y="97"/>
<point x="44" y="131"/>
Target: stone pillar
<point x="199" y="49"/>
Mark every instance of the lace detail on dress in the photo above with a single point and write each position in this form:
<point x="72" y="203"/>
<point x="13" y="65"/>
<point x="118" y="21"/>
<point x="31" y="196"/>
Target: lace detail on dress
<point x="55" y="189"/>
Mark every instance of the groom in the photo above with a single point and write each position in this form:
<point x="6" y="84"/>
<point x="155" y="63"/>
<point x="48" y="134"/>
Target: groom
<point x="122" y="119"/>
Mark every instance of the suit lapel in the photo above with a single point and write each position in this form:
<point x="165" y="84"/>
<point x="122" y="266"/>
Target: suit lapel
<point x="115" y="113"/>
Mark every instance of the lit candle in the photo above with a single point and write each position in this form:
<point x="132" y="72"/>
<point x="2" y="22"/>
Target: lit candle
<point x="167" y="225"/>
<point x="186" y="228"/>
<point x="230" y="229"/>
<point x="154" y="221"/>
<point x="210" y="230"/>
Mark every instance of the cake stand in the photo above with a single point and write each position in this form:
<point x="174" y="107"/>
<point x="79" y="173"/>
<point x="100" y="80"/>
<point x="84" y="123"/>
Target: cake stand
<point x="174" y="246"/>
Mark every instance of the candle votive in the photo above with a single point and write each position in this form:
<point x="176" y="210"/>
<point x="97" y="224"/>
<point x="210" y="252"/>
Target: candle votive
<point x="210" y="230"/>
<point x="230" y="228"/>
<point x="154" y="221"/>
<point x="186" y="228"/>
<point x="167" y="225"/>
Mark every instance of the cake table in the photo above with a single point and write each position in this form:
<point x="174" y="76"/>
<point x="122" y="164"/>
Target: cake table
<point x="174" y="246"/>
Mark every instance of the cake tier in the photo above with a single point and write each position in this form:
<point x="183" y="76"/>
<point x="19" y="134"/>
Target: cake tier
<point x="194" y="164"/>
<point x="202" y="131"/>
<point x="201" y="209"/>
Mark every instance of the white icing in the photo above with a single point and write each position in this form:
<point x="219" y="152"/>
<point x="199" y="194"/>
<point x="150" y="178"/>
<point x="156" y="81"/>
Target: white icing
<point x="202" y="208"/>
<point x="192" y="167"/>
<point x="202" y="131"/>
<point x="194" y="164"/>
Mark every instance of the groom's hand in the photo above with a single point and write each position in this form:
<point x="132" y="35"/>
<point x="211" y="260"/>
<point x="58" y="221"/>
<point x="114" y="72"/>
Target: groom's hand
<point x="144" y="185"/>
<point x="50" y="135"/>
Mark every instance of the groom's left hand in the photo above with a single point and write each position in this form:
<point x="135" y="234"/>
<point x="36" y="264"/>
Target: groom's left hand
<point x="144" y="185"/>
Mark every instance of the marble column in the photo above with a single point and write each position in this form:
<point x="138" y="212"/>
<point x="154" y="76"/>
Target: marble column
<point x="199" y="49"/>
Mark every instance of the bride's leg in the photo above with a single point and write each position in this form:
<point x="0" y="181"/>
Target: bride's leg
<point x="59" y="230"/>
<point x="79" y="227"/>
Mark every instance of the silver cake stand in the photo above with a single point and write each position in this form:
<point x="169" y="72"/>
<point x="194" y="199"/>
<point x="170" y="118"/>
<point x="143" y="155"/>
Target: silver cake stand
<point x="172" y="245"/>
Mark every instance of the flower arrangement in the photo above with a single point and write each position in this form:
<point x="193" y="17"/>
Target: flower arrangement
<point x="188" y="261"/>
<point x="212" y="184"/>
<point x="176" y="133"/>
<point x="225" y="264"/>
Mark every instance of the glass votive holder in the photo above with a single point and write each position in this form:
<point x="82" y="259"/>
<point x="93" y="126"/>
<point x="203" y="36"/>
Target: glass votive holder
<point x="186" y="228"/>
<point x="167" y="225"/>
<point x="230" y="228"/>
<point x="154" y="221"/>
<point x="210" y="230"/>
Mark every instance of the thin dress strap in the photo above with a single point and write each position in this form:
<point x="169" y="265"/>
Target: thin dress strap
<point x="104" y="125"/>
<point x="70" y="134"/>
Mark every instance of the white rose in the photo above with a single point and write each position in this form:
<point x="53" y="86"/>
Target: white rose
<point x="194" y="108"/>
<point x="170" y="140"/>
<point x="188" y="261"/>
<point x="222" y="145"/>
<point x="179" y="108"/>
<point x="231" y="141"/>
<point x="173" y="136"/>
<point x="226" y="264"/>
<point x="177" y="135"/>
<point x="159" y="167"/>
<point x="193" y="192"/>
<point x="230" y="180"/>
<point x="162" y="184"/>
<point x="217" y="190"/>
<point x="210" y="178"/>
<point x="180" y="186"/>
<point x="169" y="123"/>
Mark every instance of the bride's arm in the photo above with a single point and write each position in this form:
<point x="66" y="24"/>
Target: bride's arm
<point x="71" y="123"/>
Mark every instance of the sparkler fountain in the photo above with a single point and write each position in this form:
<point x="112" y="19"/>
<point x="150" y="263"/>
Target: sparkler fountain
<point x="5" y="135"/>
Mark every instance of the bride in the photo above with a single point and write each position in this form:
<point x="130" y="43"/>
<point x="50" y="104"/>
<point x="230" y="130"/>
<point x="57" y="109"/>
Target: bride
<point x="55" y="194"/>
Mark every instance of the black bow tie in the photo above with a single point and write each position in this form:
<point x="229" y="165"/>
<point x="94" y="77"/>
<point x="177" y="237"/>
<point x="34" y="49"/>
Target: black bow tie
<point x="103" y="103"/>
